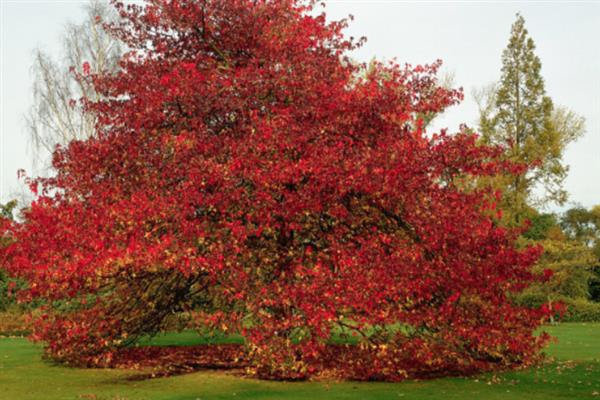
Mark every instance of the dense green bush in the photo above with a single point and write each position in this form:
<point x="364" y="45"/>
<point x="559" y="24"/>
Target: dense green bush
<point x="6" y="298"/>
<point x="595" y="282"/>
<point x="531" y="299"/>
<point x="581" y="310"/>
<point x="540" y="226"/>
<point x="578" y="310"/>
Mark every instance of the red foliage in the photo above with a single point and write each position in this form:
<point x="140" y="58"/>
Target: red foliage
<point x="176" y="360"/>
<point x="243" y="165"/>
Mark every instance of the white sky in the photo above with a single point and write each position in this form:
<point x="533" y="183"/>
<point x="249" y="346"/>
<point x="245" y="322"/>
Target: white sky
<point x="468" y="36"/>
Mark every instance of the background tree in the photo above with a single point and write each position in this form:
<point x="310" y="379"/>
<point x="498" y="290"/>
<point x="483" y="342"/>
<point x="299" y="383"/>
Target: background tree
<point x="57" y="115"/>
<point x="6" y="284"/>
<point x="583" y="226"/>
<point x="570" y="241"/>
<point x="518" y="114"/>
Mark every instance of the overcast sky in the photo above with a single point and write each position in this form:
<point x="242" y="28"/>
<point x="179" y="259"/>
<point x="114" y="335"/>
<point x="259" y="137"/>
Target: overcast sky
<point x="468" y="36"/>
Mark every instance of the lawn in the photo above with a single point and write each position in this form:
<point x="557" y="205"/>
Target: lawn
<point x="575" y="374"/>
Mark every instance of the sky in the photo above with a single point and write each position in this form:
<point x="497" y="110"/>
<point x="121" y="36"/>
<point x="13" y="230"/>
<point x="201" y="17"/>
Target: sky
<point x="468" y="36"/>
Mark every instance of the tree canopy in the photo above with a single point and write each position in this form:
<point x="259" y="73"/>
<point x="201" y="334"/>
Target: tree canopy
<point x="243" y="169"/>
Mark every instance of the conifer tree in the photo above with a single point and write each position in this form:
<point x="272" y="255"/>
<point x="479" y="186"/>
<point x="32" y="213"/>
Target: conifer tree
<point x="521" y="116"/>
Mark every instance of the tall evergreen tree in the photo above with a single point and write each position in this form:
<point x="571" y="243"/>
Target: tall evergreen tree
<point x="518" y="114"/>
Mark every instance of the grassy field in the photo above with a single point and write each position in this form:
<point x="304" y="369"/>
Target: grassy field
<point x="575" y="374"/>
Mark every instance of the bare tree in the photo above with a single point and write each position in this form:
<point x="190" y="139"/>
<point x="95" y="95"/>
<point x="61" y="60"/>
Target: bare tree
<point x="56" y="116"/>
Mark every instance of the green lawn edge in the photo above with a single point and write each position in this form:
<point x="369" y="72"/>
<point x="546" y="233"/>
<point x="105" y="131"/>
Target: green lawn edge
<point x="574" y="373"/>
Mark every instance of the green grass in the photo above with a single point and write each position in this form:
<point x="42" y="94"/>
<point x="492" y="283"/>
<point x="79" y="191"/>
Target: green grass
<point x="574" y="375"/>
<point x="576" y="341"/>
<point x="189" y="338"/>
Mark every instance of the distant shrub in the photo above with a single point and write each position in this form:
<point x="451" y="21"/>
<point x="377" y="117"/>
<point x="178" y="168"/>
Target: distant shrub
<point x="578" y="310"/>
<point x="581" y="310"/>
<point x="14" y="322"/>
<point x="6" y="297"/>
<point x="531" y="299"/>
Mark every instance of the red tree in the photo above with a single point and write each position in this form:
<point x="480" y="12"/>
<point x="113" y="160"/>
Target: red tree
<point x="244" y="166"/>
